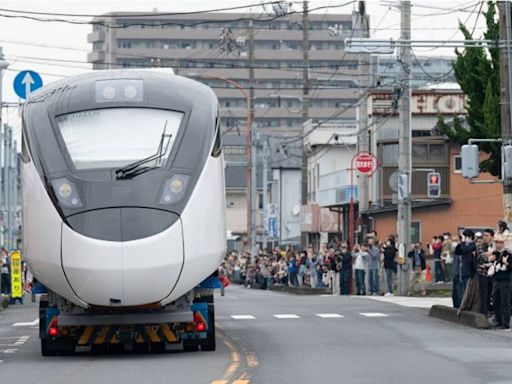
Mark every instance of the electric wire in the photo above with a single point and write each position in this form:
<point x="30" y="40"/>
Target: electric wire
<point x="165" y="23"/>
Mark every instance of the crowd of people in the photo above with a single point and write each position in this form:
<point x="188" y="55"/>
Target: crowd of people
<point x="475" y="264"/>
<point x="482" y="274"/>
<point x="371" y="265"/>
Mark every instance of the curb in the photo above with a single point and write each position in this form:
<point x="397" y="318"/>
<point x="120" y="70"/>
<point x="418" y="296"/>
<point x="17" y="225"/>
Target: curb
<point x="302" y="291"/>
<point x="470" y="319"/>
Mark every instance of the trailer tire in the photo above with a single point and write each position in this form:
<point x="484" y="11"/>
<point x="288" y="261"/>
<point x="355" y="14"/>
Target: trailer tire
<point x="210" y="335"/>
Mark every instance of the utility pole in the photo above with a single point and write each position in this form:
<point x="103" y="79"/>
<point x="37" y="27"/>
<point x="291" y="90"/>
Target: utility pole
<point x="5" y="185"/>
<point x="363" y="140"/>
<point x="3" y="65"/>
<point x="254" y="194"/>
<point x="404" y="147"/>
<point x="506" y="105"/>
<point x="305" y="109"/>
<point x="14" y="195"/>
<point x="251" y="196"/>
<point x="265" y="157"/>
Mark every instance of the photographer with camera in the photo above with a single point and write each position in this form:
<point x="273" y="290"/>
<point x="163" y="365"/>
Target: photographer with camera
<point x="501" y="272"/>
<point x="361" y="257"/>
<point x="418" y="267"/>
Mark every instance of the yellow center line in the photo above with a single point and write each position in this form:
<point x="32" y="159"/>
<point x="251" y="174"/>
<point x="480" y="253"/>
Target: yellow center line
<point x="235" y="361"/>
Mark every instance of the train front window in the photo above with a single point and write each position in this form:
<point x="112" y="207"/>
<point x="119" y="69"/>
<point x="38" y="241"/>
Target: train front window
<point x="116" y="137"/>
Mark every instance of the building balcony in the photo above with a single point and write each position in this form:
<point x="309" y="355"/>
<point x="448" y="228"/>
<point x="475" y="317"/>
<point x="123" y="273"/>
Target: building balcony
<point x="335" y="189"/>
<point x="96" y="57"/>
<point x="346" y="133"/>
<point x="96" y="36"/>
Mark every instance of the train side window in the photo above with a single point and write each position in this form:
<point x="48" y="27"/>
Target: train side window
<point x="217" y="145"/>
<point x="25" y="157"/>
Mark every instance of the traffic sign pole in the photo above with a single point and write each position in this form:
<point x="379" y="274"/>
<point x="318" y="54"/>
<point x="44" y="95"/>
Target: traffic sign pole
<point x="366" y="164"/>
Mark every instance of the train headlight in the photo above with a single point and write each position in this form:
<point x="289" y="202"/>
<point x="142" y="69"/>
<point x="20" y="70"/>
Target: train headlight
<point x="119" y="90"/>
<point x="174" y="189"/>
<point x="66" y="193"/>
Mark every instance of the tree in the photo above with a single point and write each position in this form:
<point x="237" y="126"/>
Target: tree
<point x="477" y="70"/>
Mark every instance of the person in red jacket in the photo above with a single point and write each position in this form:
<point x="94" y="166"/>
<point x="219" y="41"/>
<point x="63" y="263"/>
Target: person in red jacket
<point x="437" y="245"/>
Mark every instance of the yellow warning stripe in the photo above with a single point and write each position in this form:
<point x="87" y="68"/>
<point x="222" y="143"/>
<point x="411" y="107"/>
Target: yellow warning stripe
<point x="102" y="334"/>
<point x="153" y="336"/>
<point x="114" y="340"/>
<point x="84" y="339"/>
<point x="169" y="334"/>
<point x="140" y="339"/>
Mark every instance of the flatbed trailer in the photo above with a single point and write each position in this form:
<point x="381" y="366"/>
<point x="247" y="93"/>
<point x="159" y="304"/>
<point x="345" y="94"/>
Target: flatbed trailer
<point x="189" y="322"/>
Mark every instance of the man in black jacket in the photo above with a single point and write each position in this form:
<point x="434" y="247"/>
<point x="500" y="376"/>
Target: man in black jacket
<point x="501" y="283"/>
<point x="468" y="254"/>
<point x="418" y="266"/>
<point x="484" y="281"/>
<point x="346" y="269"/>
<point x="390" y="252"/>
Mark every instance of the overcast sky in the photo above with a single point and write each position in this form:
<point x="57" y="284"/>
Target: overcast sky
<point x="427" y="23"/>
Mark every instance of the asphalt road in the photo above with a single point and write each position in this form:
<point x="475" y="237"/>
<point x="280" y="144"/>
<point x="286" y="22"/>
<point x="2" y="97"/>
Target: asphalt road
<point x="268" y="337"/>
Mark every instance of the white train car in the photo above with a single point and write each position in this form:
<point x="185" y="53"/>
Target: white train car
<point x="123" y="209"/>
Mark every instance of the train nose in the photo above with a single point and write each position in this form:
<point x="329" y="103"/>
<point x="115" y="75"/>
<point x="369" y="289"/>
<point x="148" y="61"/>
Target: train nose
<point x="133" y="272"/>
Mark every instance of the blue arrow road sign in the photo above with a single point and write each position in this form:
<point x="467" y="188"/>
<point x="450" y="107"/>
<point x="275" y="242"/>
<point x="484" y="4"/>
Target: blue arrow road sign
<point x="27" y="82"/>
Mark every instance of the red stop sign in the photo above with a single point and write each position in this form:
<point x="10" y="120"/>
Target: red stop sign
<point x="366" y="162"/>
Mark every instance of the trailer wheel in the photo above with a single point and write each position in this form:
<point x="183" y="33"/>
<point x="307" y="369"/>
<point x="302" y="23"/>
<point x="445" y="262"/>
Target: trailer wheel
<point x="210" y="335"/>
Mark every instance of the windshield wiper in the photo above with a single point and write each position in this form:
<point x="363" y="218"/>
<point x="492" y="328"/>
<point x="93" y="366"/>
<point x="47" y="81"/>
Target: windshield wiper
<point x="133" y="169"/>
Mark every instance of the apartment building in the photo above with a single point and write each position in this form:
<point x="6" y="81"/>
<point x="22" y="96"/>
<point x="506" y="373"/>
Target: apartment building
<point x="215" y="46"/>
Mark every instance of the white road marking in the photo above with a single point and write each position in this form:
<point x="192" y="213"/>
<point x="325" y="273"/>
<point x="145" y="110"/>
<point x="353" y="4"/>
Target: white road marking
<point x="12" y="350"/>
<point x="242" y="317"/>
<point x="373" y="314"/>
<point x="287" y="316"/>
<point x="19" y="342"/>
<point x="329" y="315"/>
<point x="24" y="337"/>
<point x="27" y="324"/>
<point x="413" y="302"/>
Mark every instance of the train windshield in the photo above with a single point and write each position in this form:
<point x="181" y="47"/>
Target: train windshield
<point x="116" y="137"/>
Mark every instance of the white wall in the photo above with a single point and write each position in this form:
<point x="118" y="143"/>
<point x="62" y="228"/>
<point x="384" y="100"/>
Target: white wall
<point x="236" y="211"/>
<point x="289" y="198"/>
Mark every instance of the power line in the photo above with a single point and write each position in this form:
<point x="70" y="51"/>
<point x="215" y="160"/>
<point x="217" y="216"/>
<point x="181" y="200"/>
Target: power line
<point x="165" y="23"/>
<point x="458" y="31"/>
<point x="155" y="14"/>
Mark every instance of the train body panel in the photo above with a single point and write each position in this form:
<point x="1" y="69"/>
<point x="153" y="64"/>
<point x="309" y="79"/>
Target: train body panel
<point x="205" y="214"/>
<point x="41" y="235"/>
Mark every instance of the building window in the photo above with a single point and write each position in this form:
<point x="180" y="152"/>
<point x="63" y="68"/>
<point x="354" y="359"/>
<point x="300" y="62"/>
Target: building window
<point x="416" y="232"/>
<point x="390" y="154"/>
<point x="437" y="152"/>
<point x="419" y="153"/>
<point x="457" y="164"/>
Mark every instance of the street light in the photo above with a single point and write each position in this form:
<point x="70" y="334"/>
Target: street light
<point x="247" y="144"/>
